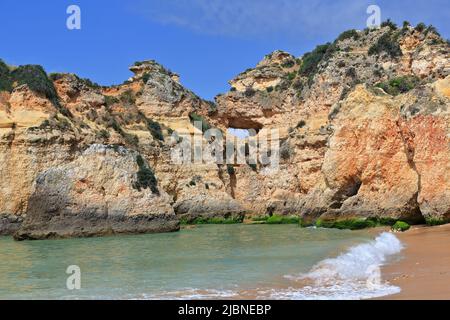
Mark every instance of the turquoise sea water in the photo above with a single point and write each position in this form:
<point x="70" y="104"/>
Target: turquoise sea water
<point x="214" y="261"/>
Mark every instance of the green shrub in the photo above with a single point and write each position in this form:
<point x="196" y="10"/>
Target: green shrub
<point x="386" y="43"/>
<point x="400" y="226"/>
<point x="214" y="220"/>
<point x="285" y="151"/>
<point x="385" y="221"/>
<point x="249" y="92"/>
<point x="55" y="76"/>
<point x="436" y="221"/>
<point x="260" y="218"/>
<point x="269" y="89"/>
<point x="155" y="129"/>
<point x="301" y="124"/>
<point x="432" y="29"/>
<point x="197" y="118"/>
<point x="291" y="76"/>
<point x="230" y="170"/>
<point x="378" y="73"/>
<point x="36" y="79"/>
<point x="389" y="23"/>
<point x="278" y="219"/>
<point x="420" y="27"/>
<point x="145" y="77"/>
<point x="3" y="67"/>
<point x="355" y="223"/>
<point x="55" y="122"/>
<point x="131" y="139"/>
<point x="5" y="77"/>
<point x="350" y="224"/>
<point x="127" y="97"/>
<point x="102" y="134"/>
<point x="399" y="85"/>
<point x="406" y="25"/>
<point x="212" y="108"/>
<point x="45" y="124"/>
<point x="351" y="72"/>
<point x="348" y="34"/>
<point x="112" y="123"/>
<point x="90" y="83"/>
<point x="436" y="41"/>
<point x="283" y="85"/>
<point x="312" y="59"/>
<point x="64" y="111"/>
<point x="145" y="177"/>
<point x="110" y="100"/>
<point x="253" y="166"/>
<point x="62" y="124"/>
<point x="288" y="64"/>
<point x="298" y="85"/>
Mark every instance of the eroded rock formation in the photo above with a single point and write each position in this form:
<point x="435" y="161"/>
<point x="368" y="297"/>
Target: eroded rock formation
<point x="364" y="133"/>
<point x="99" y="193"/>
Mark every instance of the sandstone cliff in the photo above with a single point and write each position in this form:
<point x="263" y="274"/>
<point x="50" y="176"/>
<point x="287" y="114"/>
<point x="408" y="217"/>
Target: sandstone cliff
<point x="103" y="191"/>
<point x="364" y="133"/>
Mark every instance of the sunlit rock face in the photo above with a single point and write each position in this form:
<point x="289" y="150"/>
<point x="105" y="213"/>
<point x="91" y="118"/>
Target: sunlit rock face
<point x="362" y="127"/>
<point x="99" y="193"/>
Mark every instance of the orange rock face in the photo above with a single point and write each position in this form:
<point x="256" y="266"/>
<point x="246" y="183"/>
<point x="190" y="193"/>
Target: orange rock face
<point x="368" y="164"/>
<point x="431" y="158"/>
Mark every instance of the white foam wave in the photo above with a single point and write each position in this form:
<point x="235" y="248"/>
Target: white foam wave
<point x="192" y="294"/>
<point x="354" y="274"/>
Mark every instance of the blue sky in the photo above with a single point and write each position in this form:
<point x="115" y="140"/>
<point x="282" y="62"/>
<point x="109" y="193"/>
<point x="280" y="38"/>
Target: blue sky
<point x="207" y="42"/>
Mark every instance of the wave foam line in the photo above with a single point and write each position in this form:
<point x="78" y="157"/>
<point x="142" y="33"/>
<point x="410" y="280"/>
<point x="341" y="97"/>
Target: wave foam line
<point x="354" y="274"/>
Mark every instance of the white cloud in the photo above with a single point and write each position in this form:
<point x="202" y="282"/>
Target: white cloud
<point x="260" y="18"/>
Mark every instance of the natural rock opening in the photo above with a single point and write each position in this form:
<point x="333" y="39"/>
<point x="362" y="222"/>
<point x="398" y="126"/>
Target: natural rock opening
<point x="240" y="133"/>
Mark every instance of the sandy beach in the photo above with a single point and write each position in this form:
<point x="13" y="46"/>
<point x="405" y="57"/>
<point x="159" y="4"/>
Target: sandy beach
<point x="424" y="271"/>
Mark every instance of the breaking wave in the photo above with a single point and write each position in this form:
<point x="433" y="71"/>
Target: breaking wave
<point x="354" y="274"/>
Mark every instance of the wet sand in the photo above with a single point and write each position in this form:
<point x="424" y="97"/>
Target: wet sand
<point x="424" y="271"/>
